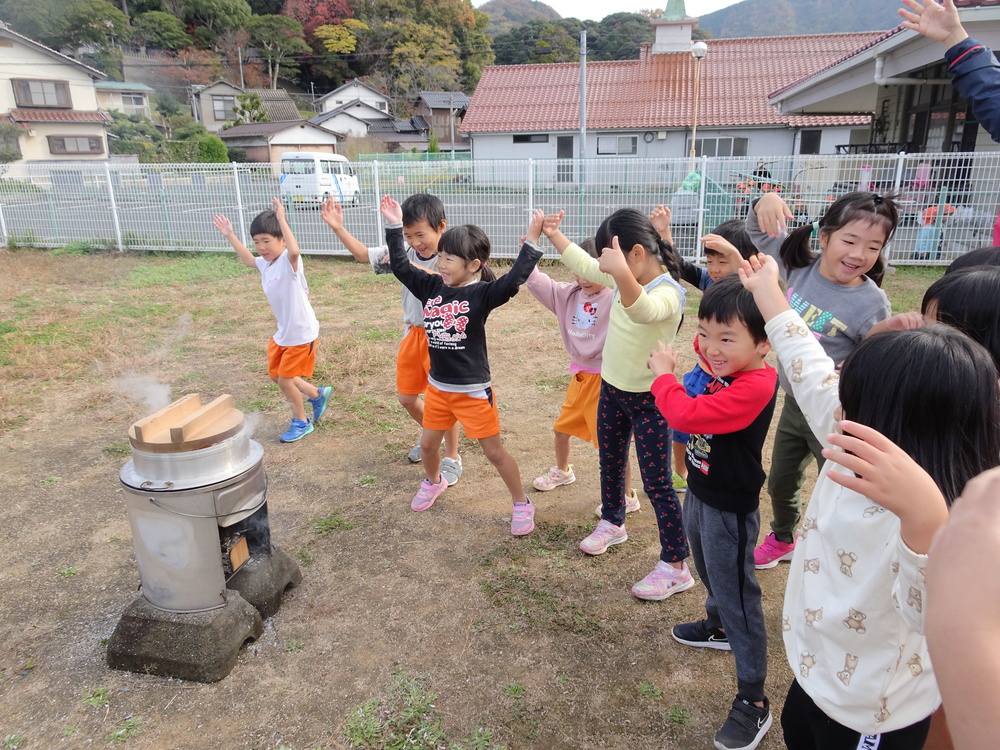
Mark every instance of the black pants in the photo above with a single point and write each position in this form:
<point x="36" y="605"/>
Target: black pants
<point x="806" y="727"/>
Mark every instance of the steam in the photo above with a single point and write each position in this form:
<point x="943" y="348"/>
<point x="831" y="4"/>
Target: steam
<point x="147" y="390"/>
<point x="251" y="421"/>
<point x="175" y="336"/>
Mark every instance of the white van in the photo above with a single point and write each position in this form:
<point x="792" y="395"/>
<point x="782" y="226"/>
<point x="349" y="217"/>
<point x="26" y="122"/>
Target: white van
<point x="312" y="177"/>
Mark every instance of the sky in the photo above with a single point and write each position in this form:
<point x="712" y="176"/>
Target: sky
<point x="597" y="9"/>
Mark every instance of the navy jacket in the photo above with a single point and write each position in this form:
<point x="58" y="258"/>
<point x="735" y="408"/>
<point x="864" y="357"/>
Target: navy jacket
<point x="977" y="79"/>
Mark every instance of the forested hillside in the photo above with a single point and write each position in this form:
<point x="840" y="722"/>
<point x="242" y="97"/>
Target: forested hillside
<point x="787" y="17"/>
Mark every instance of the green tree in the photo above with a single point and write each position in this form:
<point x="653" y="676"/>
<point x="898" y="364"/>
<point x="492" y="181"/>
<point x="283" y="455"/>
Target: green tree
<point x="91" y="22"/>
<point x="217" y="15"/>
<point x="432" y="142"/>
<point x="10" y="148"/>
<point x="555" y="45"/>
<point x="159" y="29"/>
<point x="212" y="149"/>
<point x="619" y="35"/>
<point x="279" y="39"/>
<point x="249" y="108"/>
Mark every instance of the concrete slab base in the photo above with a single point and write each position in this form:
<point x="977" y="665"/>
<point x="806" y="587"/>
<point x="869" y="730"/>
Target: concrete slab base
<point x="262" y="580"/>
<point x="195" y="646"/>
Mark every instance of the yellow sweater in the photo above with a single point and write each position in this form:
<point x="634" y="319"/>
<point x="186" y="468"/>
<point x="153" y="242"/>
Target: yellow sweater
<point x="632" y="331"/>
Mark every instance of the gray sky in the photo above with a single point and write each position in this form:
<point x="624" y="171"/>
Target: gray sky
<point x="598" y="9"/>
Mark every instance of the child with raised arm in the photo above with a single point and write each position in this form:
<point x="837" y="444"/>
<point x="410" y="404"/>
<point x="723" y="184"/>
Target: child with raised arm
<point x="423" y="224"/>
<point x="456" y="304"/>
<point x="727" y="423"/>
<point x="915" y="414"/>
<point x="837" y="294"/>
<point x="291" y="351"/>
<point x="647" y="307"/>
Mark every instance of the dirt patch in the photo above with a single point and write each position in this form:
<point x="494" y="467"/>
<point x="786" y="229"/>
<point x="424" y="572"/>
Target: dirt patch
<point x="527" y="639"/>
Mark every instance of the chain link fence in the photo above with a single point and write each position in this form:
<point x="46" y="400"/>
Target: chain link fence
<point x="948" y="202"/>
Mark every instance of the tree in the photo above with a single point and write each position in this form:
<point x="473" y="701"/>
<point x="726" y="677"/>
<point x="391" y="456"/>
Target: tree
<point x="159" y="29"/>
<point x="555" y="45"/>
<point x="10" y="149"/>
<point x="91" y="22"/>
<point x="340" y="38"/>
<point x="190" y="66"/>
<point x="314" y="13"/>
<point x="279" y="40"/>
<point x="218" y="15"/>
<point x="249" y="108"/>
<point x="212" y="149"/>
<point x="432" y="142"/>
<point x="620" y="35"/>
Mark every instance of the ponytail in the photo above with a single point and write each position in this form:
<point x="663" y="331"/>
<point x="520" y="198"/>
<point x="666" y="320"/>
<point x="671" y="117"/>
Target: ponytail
<point x="668" y="258"/>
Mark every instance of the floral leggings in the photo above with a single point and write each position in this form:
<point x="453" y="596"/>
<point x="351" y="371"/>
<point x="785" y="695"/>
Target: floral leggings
<point x="621" y="414"/>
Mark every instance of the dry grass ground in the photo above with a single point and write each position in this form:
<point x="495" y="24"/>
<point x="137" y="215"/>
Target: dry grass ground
<point x="471" y="636"/>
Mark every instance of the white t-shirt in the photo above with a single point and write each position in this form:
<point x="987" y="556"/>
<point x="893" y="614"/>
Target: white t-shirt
<point x="288" y="294"/>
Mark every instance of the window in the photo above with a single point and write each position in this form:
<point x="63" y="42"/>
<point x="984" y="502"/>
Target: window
<point x="809" y="141"/>
<point x="42" y="94"/>
<point x="134" y="100"/>
<point x="532" y="138"/>
<point x="298" y="166"/>
<point x="719" y="146"/>
<point x="223" y="106"/>
<point x="621" y="145"/>
<point x="381" y="106"/>
<point x="72" y="144"/>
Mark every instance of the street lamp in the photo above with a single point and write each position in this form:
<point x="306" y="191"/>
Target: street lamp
<point x="698" y="52"/>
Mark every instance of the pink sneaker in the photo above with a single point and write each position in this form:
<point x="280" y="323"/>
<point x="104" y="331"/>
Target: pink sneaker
<point x="428" y="493"/>
<point x="771" y="552"/>
<point x="631" y="504"/>
<point x="664" y="580"/>
<point x="555" y="478"/>
<point x="605" y="535"/>
<point x="522" y="518"/>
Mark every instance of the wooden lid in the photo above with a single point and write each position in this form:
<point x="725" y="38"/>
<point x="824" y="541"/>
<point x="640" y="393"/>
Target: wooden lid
<point x="186" y="425"/>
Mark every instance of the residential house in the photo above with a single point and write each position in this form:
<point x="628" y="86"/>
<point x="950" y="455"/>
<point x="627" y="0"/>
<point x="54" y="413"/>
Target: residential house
<point x="901" y="77"/>
<point x="214" y="104"/>
<point x="402" y="135"/>
<point x="355" y="91"/>
<point x="443" y="111"/>
<point x="353" y="118"/>
<point x="645" y="107"/>
<point x="52" y="98"/>
<point x="125" y="97"/>
<point x="267" y="141"/>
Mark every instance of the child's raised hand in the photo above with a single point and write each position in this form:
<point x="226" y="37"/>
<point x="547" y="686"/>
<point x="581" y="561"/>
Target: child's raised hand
<point x="391" y="210"/>
<point x="720" y="244"/>
<point x="934" y="20"/>
<point x="660" y="219"/>
<point x="773" y="214"/>
<point x="224" y="225"/>
<point x="885" y="473"/>
<point x="759" y="273"/>
<point x="551" y="222"/>
<point x="612" y="260"/>
<point x="332" y="213"/>
<point x="662" y="360"/>
<point x="535" y="222"/>
<point x="279" y="208"/>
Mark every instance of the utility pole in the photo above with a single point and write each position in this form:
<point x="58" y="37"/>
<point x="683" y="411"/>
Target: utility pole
<point x="239" y="55"/>
<point x="451" y="120"/>
<point x="583" y="94"/>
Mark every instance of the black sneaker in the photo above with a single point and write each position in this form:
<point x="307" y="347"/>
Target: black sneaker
<point x="699" y="635"/>
<point x="745" y="727"/>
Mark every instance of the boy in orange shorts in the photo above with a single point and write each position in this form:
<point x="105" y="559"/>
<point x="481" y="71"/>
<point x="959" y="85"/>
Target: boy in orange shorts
<point x="423" y="225"/>
<point x="291" y="351"/>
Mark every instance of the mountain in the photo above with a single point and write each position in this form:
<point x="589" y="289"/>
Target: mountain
<point x="506" y="14"/>
<point x="788" y="17"/>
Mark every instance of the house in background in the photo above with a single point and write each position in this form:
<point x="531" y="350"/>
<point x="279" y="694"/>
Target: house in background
<point x="127" y="98"/>
<point x="355" y="91"/>
<point x="267" y="141"/>
<point x="443" y="111"/>
<point x="402" y="135"/>
<point x="52" y="98"/>
<point x="353" y="118"/>
<point x="644" y="107"/>
<point x="213" y="104"/>
<point x="902" y="78"/>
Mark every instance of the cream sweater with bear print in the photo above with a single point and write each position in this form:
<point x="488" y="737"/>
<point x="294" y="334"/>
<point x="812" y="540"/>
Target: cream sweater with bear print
<point x="853" y="612"/>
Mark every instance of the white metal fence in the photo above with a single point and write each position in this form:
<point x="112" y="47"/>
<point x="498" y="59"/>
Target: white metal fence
<point x="948" y="201"/>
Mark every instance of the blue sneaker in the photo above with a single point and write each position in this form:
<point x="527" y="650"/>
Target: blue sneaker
<point x="297" y="431"/>
<point x="319" y="403"/>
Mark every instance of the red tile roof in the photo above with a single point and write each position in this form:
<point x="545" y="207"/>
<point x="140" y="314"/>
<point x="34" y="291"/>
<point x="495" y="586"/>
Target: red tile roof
<point x="57" y="115"/>
<point x="656" y="91"/>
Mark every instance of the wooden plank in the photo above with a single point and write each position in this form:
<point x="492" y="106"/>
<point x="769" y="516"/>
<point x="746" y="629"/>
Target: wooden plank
<point x="239" y="554"/>
<point x="145" y="429"/>
<point x="187" y="428"/>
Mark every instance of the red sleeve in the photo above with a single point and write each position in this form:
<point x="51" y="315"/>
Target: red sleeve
<point x="727" y="410"/>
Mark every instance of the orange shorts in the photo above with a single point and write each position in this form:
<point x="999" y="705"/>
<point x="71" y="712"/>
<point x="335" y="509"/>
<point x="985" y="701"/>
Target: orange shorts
<point x="578" y="416"/>
<point x="290" y="361"/>
<point x="413" y="362"/>
<point x="479" y="416"/>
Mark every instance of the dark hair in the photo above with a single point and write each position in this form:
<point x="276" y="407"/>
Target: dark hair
<point x="634" y="228"/>
<point x="981" y="256"/>
<point x="590" y="247"/>
<point x="726" y="301"/>
<point x="933" y="392"/>
<point x="735" y="231"/>
<point x="469" y="243"/>
<point x="969" y="300"/>
<point x="796" y="251"/>
<point x="266" y="222"/>
<point x="423" y="207"/>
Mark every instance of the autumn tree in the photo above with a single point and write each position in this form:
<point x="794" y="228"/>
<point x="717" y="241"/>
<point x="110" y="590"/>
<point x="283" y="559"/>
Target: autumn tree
<point x="190" y="66"/>
<point x="340" y="38"/>
<point x="279" y="40"/>
<point x="314" y="13"/>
